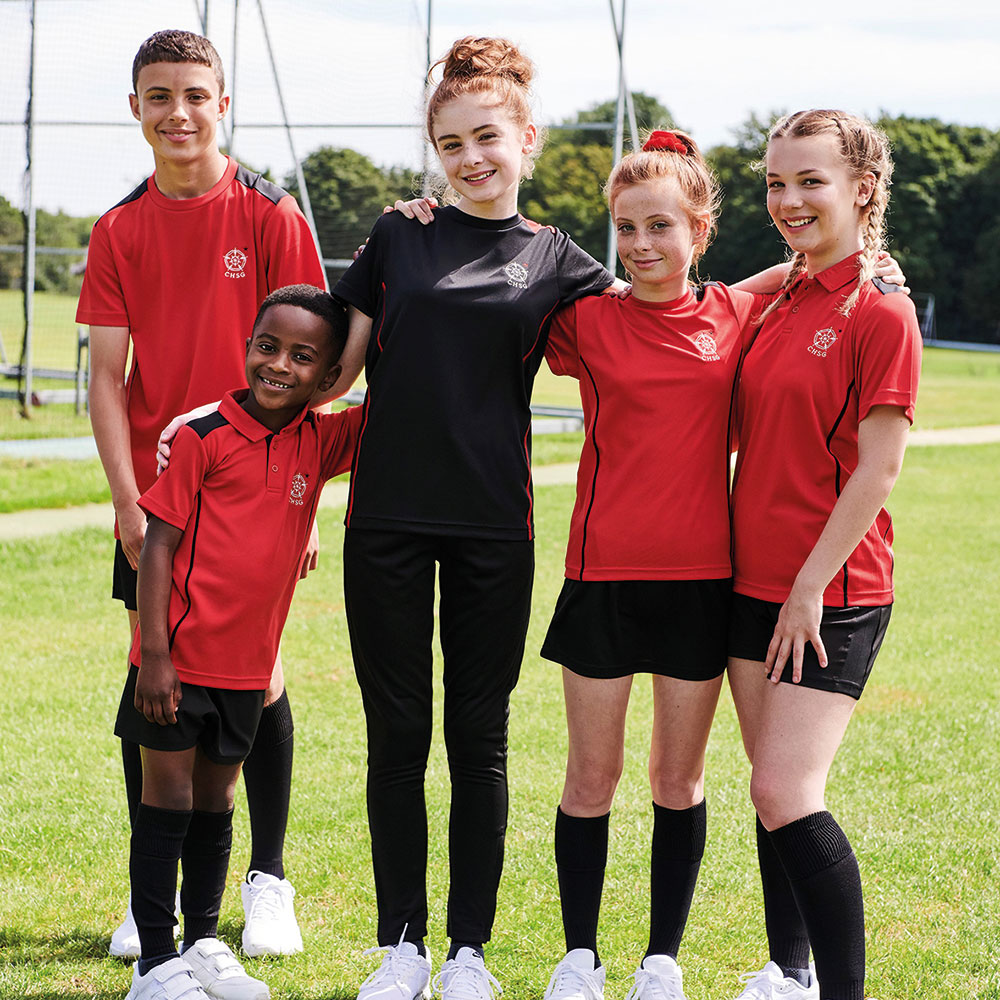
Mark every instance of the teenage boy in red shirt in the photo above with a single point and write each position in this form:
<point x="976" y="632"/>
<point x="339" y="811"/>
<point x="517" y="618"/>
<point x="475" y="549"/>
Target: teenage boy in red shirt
<point x="242" y="480"/>
<point x="176" y="272"/>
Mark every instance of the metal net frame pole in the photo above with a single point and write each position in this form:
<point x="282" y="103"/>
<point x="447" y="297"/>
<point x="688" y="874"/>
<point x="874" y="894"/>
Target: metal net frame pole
<point x="30" y="234"/>
<point x="299" y="175"/>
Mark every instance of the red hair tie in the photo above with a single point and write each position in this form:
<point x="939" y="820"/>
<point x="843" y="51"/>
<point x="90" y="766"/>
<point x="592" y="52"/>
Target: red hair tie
<point x="661" y="140"/>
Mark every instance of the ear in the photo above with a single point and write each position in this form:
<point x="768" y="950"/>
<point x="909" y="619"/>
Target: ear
<point x="223" y="106"/>
<point x="133" y="103"/>
<point x="246" y="350"/>
<point x="866" y="188"/>
<point x="530" y="138"/>
<point x="330" y="378"/>
<point x="699" y="228"/>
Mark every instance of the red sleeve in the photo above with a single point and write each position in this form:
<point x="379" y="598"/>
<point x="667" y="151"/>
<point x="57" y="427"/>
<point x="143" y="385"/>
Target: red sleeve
<point x="748" y="307"/>
<point x="289" y="248"/>
<point x="102" y="302"/>
<point x="339" y="434"/>
<point x="172" y="497"/>
<point x="888" y="348"/>
<point x="562" y="350"/>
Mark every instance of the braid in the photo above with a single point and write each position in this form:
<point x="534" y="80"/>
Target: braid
<point x="798" y="268"/>
<point x="874" y="243"/>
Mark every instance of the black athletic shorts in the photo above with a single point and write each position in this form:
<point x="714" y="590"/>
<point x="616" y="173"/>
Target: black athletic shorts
<point x="852" y="637"/>
<point x="123" y="579"/>
<point x="613" y="628"/>
<point x="222" y="722"/>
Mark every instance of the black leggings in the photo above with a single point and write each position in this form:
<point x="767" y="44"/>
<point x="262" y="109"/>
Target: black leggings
<point x="484" y="606"/>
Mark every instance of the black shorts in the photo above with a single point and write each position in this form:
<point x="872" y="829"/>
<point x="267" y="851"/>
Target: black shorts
<point x="614" y="628"/>
<point x="852" y="637"/>
<point x="220" y="721"/>
<point x="123" y="579"/>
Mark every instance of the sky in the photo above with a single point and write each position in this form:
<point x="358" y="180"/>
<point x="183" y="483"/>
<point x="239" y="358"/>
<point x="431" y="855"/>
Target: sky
<point x="361" y="62"/>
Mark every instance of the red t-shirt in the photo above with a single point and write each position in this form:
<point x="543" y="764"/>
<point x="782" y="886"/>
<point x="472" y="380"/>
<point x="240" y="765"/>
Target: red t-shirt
<point x="656" y="381"/>
<point x="186" y="276"/>
<point x="811" y="376"/>
<point x="245" y="498"/>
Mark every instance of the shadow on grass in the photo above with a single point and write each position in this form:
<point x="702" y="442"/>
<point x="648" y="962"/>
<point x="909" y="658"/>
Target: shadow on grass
<point x="81" y="950"/>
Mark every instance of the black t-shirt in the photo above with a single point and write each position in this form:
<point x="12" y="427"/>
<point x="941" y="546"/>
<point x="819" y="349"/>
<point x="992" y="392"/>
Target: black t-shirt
<point x="460" y="315"/>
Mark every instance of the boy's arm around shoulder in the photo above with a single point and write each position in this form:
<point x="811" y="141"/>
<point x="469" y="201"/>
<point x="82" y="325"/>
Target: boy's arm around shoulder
<point x="157" y="689"/>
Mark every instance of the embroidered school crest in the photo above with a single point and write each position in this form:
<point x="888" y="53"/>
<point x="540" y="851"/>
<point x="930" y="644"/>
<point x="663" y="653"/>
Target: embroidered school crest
<point x="299" y="486"/>
<point x="823" y="340"/>
<point x="517" y="274"/>
<point x="706" y="344"/>
<point x="235" y="261"/>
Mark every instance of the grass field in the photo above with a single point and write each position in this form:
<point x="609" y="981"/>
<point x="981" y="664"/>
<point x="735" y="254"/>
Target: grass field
<point x="916" y="785"/>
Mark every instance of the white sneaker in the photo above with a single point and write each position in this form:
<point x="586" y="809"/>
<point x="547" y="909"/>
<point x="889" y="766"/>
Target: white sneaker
<point x="465" y="977"/>
<point x="770" y="984"/>
<point x="220" y="973"/>
<point x="125" y="939"/>
<point x="404" y="974"/>
<point x="575" y="978"/>
<point x="657" y="978"/>
<point x="271" y="927"/>
<point x="173" y="980"/>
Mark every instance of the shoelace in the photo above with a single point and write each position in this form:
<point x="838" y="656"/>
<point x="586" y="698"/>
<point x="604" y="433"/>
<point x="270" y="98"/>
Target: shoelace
<point x="759" y="985"/>
<point x="466" y="981"/>
<point x="268" y="901"/>
<point x="395" y="967"/>
<point x="570" y="979"/>
<point x="652" y="986"/>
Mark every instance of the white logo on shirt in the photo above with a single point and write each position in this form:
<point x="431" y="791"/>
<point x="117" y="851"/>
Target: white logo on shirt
<point x="823" y="340"/>
<point x="517" y="274"/>
<point x="705" y="343"/>
<point x="299" y="486"/>
<point x="235" y="261"/>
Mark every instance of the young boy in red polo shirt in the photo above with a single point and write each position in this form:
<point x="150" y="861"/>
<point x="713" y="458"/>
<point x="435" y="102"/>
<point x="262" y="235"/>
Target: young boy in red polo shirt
<point x="243" y="481"/>
<point x="176" y="271"/>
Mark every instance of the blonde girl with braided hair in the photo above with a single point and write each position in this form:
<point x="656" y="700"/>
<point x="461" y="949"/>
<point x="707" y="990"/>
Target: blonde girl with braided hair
<point x="824" y="404"/>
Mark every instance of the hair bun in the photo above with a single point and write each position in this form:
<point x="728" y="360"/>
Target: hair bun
<point x="471" y="56"/>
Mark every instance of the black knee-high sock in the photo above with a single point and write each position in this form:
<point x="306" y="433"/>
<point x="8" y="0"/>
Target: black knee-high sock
<point x="205" y="862"/>
<point x="675" y="859"/>
<point x="267" y="773"/>
<point x="132" y="766"/>
<point x="826" y="882"/>
<point x="156" y="845"/>
<point x="787" y="940"/>
<point x="581" y="857"/>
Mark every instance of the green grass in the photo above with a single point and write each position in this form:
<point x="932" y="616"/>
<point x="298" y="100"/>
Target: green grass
<point x="915" y="785"/>
<point x="36" y="483"/>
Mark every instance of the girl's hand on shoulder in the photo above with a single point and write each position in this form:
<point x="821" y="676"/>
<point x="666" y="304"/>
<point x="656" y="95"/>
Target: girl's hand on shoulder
<point x="798" y="623"/>
<point x="887" y="269"/>
<point x="421" y="209"/>
<point x="619" y="290"/>
<point x="158" y="689"/>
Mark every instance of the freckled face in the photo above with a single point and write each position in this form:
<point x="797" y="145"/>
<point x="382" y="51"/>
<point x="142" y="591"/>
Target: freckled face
<point x="480" y="148"/>
<point x="656" y="238"/>
<point x="179" y="107"/>
<point x="814" y="201"/>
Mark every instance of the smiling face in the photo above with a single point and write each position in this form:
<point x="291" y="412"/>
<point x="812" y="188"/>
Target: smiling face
<point x="179" y="107"/>
<point x="289" y="359"/>
<point x="814" y="200"/>
<point x="656" y="238"/>
<point x="481" y="148"/>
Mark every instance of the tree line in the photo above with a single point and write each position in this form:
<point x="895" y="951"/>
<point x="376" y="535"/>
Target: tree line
<point x="944" y="216"/>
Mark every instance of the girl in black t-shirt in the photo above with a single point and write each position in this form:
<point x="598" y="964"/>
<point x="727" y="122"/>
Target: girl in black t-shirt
<point x="451" y="320"/>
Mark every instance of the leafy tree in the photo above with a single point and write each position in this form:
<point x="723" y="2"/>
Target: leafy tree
<point x="348" y="192"/>
<point x="11" y="234"/>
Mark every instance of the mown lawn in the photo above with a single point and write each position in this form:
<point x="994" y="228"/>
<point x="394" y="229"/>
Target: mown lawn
<point x="916" y="785"/>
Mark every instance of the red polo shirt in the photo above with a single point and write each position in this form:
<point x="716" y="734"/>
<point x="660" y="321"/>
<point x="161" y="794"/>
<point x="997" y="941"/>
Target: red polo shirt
<point x="811" y="376"/>
<point x="186" y="276"/>
<point x="245" y="498"/>
<point x="656" y="381"/>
